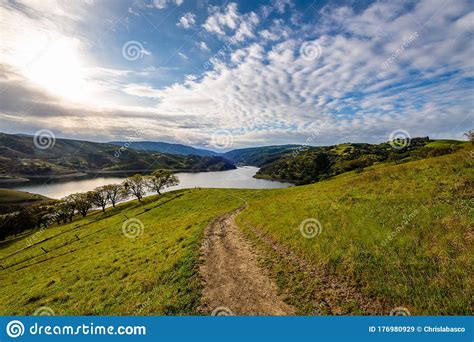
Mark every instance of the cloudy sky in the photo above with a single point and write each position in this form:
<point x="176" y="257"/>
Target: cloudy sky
<point x="257" y="72"/>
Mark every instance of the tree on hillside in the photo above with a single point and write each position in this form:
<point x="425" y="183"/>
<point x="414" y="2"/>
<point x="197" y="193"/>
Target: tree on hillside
<point x="58" y="214"/>
<point x="135" y="186"/>
<point x="40" y="212"/>
<point x="115" y="193"/>
<point x="470" y="135"/>
<point x="67" y="208"/>
<point x="160" y="180"/>
<point x="100" y="197"/>
<point x="322" y="163"/>
<point x="16" y="222"/>
<point x="82" y="202"/>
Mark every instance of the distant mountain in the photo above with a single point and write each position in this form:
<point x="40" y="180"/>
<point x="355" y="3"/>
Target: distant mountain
<point x="259" y="156"/>
<point x="163" y="147"/>
<point x="253" y="156"/>
<point x="20" y="158"/>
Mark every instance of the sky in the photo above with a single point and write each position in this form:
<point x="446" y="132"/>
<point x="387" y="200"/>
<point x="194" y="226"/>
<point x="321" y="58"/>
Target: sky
<point x="232" y="74"/>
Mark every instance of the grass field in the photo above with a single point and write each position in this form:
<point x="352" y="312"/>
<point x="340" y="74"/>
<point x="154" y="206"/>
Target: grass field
<point x="394" y="236"/>
<point x="400" y="236"/>
<point x="8" y="196"/>
<point x="445" y="143"/>
<point x="104" y="271"/>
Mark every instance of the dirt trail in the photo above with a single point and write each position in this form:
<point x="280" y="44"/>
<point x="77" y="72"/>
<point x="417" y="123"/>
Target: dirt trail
<point x="234" y="283"/>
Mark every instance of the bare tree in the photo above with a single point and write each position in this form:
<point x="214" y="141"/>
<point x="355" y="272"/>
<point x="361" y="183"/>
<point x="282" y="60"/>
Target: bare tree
<point x="160" y="180"/>
<point x="115" y="193"/>
<point x="135" y="186"/>
<point x="82" y="202"/>
<point x="67" y="208"/>
<point x="100" y="197"/>
<point x="470" y="135"/>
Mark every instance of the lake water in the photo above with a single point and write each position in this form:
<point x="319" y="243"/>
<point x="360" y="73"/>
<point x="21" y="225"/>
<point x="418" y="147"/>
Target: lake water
<point x="242" y="177"/>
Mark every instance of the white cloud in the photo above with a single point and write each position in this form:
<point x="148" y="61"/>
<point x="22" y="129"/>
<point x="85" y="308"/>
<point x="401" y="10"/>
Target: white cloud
<point x="240" y="26"/>
<point x="281" y="5"/>
<point x="187" y="20"/>
<point x="268" y="94"/>
<point x="277" y="31"/>
<point x="141" y="90"/>
<point x="162" y="4"/>
<point x="203" y="46"/>
<point x="263" y="90"/>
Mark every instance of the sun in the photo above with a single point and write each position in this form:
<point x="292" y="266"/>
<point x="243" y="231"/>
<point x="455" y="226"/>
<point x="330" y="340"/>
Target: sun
<point x="58" y="69"/>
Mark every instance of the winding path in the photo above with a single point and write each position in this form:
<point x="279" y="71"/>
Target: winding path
<point x="234" y="283"/>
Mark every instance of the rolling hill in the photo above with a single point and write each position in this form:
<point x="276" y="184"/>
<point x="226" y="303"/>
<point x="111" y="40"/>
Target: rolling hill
<point x="19" y="158"/>
<point x="308" y="164"/>
<point x="253" y="156"/>
<point x="393" y="236"/>
<point x="259" y="156"/>
<point x="12" y="199"/>
<point x="163" y="147"/>
<point x="312" y="164"/>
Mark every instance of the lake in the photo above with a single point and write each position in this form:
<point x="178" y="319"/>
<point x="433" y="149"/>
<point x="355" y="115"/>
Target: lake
<point x="242" y="177"/>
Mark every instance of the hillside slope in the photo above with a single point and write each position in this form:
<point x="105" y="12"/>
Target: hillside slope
<point x="259" y="156"/>
<point x="20" y="158"/>
<point x="11" y="200"/>
<point x="397" y="236"/>
<point x="163" y="147"/>
<point x="312" y="164"/>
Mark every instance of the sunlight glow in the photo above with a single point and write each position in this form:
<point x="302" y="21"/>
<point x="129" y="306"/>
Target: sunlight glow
<point x="59" y="70"/>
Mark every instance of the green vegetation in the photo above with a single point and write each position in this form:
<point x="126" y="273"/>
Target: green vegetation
<point x="306" y="165"/>
<point x="8" y="196"/>
<point x="73" y="157"/>
<point x="91" y="267"/>
<point x="444" y="143"/>
<point x="398" y="235"/>
<point x="11" y="200"/>
<point x="41" y="214"/>
<point x="259" y="156"/>
<point x="163" y="147"/>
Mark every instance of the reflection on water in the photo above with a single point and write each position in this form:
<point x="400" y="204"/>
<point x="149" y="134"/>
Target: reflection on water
<point x="239" y="178"/>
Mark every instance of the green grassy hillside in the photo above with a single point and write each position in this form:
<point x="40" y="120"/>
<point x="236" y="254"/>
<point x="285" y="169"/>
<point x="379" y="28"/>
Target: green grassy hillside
<point x="311" y="164"/>
<point x="393" y="236"/>
<point x="259" y="156"/>
<point x="444" y="143"/>
<point x="91" y="267"/>
<point x="12" y="199"/>
<point x="8" y="196"/>
<point x="20" y="158"/>
<point x="399" y="236"/>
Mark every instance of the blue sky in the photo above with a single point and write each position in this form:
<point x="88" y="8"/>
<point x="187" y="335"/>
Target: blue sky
<point x="248" y="72"/>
